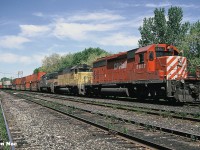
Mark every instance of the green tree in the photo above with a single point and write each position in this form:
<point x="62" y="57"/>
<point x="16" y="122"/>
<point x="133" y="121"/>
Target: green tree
<point x="176" y="31"/>
<point x="39" y="69"/>
<point x="51" y="63"/>
<point x="191" y="46"/>
<point x="159" y="27"/>
<point x="66" y="61"/>
<point x="146" y="31"/>
<point x="5" y="79"/>
<point x="36" y="70"/>
<point x="56" y="62"/>
<point x="195" y="39"/>
<point x="158" y="30"/>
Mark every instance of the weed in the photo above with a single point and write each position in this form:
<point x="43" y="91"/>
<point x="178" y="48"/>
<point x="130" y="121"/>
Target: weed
<point x="197" y="115"/>
<point x="125" y="130"/>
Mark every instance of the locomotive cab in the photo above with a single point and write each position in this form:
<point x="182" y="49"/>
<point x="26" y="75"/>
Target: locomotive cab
<point x="156" y="61"/>
<point x="48" y="81"/>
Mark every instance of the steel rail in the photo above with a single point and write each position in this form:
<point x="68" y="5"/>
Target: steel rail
<point x="7" y="129"/>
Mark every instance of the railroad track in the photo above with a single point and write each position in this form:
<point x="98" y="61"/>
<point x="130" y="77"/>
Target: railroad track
<point x="191" y="116"/>
<point x="122" y="126"/>
<point x="192" y="104"/>
<point x="6" y="141"/>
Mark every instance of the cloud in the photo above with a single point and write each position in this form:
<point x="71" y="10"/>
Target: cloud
<point x="79" y="31"/>
<point x="13" y="41"/>
<point x="12" y="58"/>
<point x="125" y="5"/>
<point x="152" y="5"/>
<point x="103" y="16"/>
<point x="188" y="5"/>
<point x="120" y="39"/>
<point x="38" y="14"/>
<point x="79" y="26"/>
<point x="167" y="4"/>
<point x="33" y="30"/>
<point x="92" y="29"/>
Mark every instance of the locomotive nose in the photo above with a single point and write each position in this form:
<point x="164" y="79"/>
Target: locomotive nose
<point x="176" y="67"/>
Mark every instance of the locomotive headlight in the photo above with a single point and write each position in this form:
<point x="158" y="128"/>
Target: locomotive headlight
<point x="182" y="81"/>
<point x="180" y="62"/>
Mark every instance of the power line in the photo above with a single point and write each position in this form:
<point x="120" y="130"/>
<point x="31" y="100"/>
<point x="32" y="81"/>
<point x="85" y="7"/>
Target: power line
<point x="8" y="73"/>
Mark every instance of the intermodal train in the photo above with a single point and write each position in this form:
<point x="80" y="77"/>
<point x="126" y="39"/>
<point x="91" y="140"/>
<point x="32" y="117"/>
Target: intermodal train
<point x="155" y="71"/>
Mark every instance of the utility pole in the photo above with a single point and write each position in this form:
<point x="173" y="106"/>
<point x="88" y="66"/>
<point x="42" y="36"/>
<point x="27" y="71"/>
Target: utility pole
<point x="20" y="74"/>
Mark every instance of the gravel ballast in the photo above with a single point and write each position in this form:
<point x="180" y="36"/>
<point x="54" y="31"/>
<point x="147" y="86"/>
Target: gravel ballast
<point x="36" y="127"/>
<point x="159" y="121"/>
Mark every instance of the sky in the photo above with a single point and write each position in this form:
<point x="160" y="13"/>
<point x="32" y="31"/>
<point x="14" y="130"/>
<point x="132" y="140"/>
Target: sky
<point x="33" y="29"/>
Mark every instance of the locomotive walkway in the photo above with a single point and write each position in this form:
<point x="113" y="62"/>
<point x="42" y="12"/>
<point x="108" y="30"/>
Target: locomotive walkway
<point x="156" y="132"/>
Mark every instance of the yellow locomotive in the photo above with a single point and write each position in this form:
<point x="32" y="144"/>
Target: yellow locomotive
<point x="72" y="80"/>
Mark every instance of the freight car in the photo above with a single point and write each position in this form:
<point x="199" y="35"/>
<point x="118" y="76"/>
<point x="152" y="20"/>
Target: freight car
<point x="155" y="71"/>
<point x="6" y="84"/>
<point x="35" y="80"/>
<point x="1" y="86"/>
<point x="30" y="82"/>
<point x="13" y="84"/>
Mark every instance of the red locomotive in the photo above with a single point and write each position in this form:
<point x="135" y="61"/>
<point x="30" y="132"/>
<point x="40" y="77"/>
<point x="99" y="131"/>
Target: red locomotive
<point x="155" y="71"/>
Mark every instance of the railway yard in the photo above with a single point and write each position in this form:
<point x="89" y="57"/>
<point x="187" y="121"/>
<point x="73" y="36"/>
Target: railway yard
<point x="60" y="91"/>
<point x="49" y="121"/>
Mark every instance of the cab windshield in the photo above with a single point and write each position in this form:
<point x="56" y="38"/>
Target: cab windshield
<point x="160" y="51"/>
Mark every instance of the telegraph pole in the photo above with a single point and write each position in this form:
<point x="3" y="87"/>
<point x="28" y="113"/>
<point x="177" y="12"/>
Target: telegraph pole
<point x="20" y="74"/>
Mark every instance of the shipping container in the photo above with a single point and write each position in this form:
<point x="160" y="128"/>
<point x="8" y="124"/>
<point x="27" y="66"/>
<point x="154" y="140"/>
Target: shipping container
<point x="14" y="84"/>
<point x="1" y="85"/>
<point x="23" y="82"/>
<point x="18" y="83"/>
<point x="34" y="83"/>
<point x="28" y="82"/>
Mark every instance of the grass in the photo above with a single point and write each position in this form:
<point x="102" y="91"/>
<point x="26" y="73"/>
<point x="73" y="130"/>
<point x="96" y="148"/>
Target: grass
<point x="3" y="132"/>
<point x="197" y="115"/>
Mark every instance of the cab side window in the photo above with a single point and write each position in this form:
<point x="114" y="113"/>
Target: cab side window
<point x="141" y="56"/>
<point x="151" y="56"/>
<point x="76" y="71"/>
